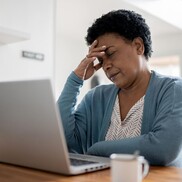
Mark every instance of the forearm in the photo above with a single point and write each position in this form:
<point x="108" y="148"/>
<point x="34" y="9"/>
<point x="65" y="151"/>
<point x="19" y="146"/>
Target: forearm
<point x="68" y="98"/>
<point x="160" y="141"/>
<point x="155" y="152"/>
<point x="66" y="105"/>
<point x="160" y="146"/>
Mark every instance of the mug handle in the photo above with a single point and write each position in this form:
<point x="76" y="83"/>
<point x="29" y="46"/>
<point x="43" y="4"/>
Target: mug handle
<point x="145" y="168"/>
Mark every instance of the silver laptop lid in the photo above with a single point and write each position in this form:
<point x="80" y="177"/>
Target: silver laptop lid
<point x="31" y="134"/>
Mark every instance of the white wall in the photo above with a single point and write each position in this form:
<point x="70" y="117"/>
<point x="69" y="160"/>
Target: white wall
<point x="74" y="17"/>
<point x="35" y="17"/>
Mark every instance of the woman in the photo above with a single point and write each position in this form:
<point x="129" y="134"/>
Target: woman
<point x="141" y="110"/>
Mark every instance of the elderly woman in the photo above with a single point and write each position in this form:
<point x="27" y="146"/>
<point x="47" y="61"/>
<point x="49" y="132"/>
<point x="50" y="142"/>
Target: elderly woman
<point x="141" y="110"/>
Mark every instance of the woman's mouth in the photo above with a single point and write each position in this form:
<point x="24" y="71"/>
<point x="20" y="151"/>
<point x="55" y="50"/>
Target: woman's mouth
<point x="113" y="76"/>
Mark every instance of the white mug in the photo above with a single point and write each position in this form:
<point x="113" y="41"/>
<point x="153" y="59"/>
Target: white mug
<point x="128" y="168"/>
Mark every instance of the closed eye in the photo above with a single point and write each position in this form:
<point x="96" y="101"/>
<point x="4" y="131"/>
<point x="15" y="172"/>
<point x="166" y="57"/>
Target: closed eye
<point x="109" y="54"/>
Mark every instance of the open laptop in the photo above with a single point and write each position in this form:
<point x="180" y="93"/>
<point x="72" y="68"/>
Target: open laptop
<point x="31" y="132"/>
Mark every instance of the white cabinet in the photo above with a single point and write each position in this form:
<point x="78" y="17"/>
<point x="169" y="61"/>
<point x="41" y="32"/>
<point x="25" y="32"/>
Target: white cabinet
<point x="8" y="35"/>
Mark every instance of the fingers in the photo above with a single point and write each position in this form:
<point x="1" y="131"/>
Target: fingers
<point x="97" y="66"/>
<point x="87" y="60"/>
<point x="94" y="48"/>
<point x="93" y="45"/>
<point x="95" y="54"/>
<point x="87" y="68"/>
<point x="95" y="51"/>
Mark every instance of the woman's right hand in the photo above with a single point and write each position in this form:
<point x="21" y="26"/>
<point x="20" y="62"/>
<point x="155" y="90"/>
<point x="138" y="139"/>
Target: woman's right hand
<point x="87" y="68"/>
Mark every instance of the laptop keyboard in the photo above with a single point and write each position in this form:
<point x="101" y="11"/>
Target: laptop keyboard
<point x="78" y="162"/>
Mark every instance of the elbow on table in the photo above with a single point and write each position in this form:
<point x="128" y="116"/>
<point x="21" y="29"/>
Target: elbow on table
<point x="164" y="158"/>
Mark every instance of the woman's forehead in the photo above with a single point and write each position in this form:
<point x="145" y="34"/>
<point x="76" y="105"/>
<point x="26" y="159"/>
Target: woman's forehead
<point x="110" y="40"/>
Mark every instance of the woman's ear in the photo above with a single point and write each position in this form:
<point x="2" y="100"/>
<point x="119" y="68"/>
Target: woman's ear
<point x="138" y="43"/>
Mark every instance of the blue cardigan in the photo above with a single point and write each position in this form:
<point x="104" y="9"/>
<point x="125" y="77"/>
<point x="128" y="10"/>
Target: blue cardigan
<point x="86" y="125"/>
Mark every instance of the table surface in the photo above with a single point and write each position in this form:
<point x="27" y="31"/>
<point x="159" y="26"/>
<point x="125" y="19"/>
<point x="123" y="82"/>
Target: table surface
<point x="10" y="173"/>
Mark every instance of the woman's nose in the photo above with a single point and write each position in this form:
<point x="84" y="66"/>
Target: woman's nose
<point x="106" y="64"/>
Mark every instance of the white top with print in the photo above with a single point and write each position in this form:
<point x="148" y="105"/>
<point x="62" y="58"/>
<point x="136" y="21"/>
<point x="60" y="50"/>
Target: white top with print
<point x="130" y="126"/>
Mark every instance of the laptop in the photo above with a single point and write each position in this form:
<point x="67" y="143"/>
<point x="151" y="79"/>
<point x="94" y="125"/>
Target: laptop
<point x="31" y="131"/>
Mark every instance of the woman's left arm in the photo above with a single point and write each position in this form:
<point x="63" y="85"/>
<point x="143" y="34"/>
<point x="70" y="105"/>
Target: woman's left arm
<point x="163" y="143"/>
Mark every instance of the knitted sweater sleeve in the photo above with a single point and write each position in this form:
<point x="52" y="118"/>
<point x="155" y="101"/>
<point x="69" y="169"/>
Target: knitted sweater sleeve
<point x="163" y="143"/>
<point x="74" y="123"/>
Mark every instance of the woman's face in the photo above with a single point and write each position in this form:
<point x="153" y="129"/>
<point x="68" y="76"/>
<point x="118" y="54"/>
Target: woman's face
<point x="122" y="62"/>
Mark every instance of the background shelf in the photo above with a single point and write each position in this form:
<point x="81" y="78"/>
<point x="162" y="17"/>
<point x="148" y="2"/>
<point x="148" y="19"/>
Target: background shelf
<point x="8" y="36"/>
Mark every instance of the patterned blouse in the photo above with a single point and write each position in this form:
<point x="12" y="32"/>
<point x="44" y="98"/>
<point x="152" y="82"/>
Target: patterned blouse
<point x="130" y="126"/>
